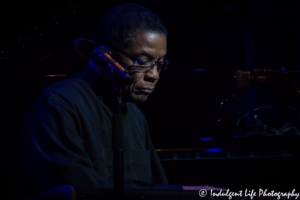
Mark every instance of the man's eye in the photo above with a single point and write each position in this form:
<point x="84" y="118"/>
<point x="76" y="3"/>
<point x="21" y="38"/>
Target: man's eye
<point x="142" y="61"/>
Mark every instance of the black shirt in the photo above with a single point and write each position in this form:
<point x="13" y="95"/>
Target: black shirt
<point x="66" y="140"/>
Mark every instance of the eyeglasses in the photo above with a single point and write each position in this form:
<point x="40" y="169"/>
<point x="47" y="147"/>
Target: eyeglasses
<point x="143" y="64"/>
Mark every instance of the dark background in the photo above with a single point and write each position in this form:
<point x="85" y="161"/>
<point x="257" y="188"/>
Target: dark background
<point x="219" y="37"/>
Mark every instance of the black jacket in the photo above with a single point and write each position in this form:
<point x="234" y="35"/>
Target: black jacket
<point x="66" y="140"/>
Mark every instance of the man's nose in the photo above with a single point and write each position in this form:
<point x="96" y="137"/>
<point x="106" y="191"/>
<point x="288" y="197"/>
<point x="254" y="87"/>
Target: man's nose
<point x="152" y="74"/>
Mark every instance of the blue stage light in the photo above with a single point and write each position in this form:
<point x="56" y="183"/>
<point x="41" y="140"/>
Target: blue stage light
<point x="198" y="69"/>
<point x="216" y="149"/>
<point x="206" y="139"/>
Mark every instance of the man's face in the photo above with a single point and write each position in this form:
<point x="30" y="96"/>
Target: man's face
<point x="154" y="47"/>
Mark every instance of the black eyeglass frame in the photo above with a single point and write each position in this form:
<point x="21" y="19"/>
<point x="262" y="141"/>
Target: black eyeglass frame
<point x="158" y="63"/>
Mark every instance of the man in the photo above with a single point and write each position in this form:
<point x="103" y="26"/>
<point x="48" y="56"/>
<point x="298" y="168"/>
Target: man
<point x="66" y="135"/>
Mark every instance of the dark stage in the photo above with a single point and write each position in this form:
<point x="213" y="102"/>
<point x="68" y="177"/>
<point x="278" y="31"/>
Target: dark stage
<point x="226" y="111"/>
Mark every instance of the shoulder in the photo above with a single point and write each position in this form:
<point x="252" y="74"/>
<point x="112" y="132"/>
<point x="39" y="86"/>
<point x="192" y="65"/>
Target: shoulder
<point x="66" y="93"/>
<point x="69" y="89"/>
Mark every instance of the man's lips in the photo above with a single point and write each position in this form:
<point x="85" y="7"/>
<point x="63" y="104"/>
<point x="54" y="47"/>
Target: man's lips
<point x="145" y="90"/>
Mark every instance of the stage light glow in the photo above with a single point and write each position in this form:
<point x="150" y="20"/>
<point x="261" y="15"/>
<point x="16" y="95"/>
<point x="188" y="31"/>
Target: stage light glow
<point x="198" y="69"/>
<point x="55" y="75"/>
<point x="216" y="149"/>
<point x="206" y="139"/>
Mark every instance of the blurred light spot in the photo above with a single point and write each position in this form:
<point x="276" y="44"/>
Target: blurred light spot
<point x="216" y="149"/>
<point x="206" y="139"/>
<point x="55" y="75"/>
<point x="198" y="69"/>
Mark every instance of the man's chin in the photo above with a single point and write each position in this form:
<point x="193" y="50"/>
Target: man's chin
<point x="138" y="98"/>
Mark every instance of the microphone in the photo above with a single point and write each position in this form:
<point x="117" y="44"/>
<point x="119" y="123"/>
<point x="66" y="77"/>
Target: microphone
<point x="101" y="57"/>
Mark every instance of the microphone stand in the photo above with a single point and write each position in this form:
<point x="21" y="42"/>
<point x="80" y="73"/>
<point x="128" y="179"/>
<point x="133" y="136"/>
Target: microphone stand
<point x="101" y="57"/>
<point x="118" y="144"/>
<point x="118" y="133"/>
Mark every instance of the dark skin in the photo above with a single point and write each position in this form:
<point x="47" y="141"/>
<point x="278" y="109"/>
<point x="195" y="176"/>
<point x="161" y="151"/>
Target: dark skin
<point x="154" y="47"/>
<point x="146" y="44"/>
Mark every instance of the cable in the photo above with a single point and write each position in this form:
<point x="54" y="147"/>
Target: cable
<point x="80" y="52"/>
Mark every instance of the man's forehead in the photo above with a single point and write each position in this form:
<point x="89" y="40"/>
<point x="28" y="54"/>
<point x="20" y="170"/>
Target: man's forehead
<point x="145" y="53"/>
<point x="149" y="38"/>
<point x="149" y="44"/>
